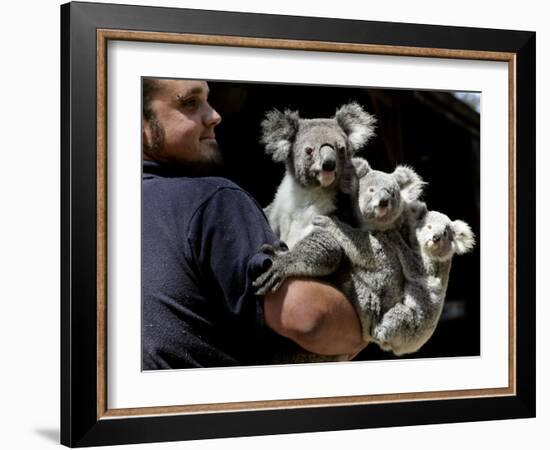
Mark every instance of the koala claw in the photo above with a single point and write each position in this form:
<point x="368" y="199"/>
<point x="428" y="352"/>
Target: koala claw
<point x="321" y="221"/>
<point x="268" y="249"/>
<point x="269" y="281"/>
<point x="273" y="249"/>
<point x="381" y="335"/>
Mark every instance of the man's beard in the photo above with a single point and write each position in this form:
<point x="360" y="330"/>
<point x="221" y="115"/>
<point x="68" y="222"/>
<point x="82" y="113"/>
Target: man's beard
<point x="210" y="164"/>
<point x="157" y="136"/>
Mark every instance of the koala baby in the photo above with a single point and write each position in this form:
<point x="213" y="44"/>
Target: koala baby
<point x="320" y="178"/>
<point x="384" y="196"/>
<point x="410" y="323"/>
<point x="364" y="265"/>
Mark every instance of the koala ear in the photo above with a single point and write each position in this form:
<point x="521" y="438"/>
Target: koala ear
<point x="464" y="238"/>
<point x="278" y="133"/>
<point x="410" y="183"/>
<point x="361" y="166"/>
<point x="416" y="211"/>
<point x="356" y="123"/>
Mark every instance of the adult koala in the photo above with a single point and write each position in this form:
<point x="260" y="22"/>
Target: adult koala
<point x="363" y="263"/>
<point x="320" y="178"/>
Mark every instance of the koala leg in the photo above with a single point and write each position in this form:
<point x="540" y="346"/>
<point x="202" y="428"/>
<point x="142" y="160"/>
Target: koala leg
<point x="317" y="255"/>
<point x="366" y="301"/>
<point x="408" y="325"/>
<point x="355" y="242"/>
<point x="398" y="327"/>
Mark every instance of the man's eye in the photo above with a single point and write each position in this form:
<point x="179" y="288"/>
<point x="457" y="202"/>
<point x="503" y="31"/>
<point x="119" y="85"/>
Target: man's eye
<point x="189" y="103"/>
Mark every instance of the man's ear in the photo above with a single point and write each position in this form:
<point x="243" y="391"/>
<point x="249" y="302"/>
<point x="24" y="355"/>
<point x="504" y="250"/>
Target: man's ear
<point x="146" y="137"/>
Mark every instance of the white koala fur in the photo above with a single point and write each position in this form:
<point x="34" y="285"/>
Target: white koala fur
<point x="294" y="207"/>
<point x="319" y="173"/>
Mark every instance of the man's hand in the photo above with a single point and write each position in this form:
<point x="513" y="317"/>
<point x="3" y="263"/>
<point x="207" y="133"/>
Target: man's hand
<point x="315" y="315"/>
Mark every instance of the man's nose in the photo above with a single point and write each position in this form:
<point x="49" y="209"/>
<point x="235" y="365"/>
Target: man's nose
<point x="212" y="117"/>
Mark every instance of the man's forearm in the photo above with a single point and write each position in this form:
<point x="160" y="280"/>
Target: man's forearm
<point x="316" y="316"/>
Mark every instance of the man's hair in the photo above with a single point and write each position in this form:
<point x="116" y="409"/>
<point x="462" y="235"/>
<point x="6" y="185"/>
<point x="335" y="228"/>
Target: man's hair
<point x="150" y="86"/>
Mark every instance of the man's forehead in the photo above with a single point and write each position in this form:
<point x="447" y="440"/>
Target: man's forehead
<point x="184" y="87"/>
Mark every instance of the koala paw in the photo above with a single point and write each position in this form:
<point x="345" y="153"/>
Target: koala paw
<point x="270" y="280"/>
<point x="321" y="221"/>
<point x="382" y="336"/>
<point x="394" y="236"/>
<point x="435" y="284"/>
<point x="274" y="249"/>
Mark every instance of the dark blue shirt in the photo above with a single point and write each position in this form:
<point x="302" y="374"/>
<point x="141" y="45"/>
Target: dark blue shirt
<point x="200" y="242"/>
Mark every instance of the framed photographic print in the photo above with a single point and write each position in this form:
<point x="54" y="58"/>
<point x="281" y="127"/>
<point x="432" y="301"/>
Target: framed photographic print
<point x="164" y="337"/>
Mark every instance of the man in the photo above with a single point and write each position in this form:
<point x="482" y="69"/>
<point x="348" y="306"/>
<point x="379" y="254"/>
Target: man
<point x="200" y="242"/>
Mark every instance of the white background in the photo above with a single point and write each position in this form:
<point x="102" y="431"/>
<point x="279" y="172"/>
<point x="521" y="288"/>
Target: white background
<point x="29" y="229"/>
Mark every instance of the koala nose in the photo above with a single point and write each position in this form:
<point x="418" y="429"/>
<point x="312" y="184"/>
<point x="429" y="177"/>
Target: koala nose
<point x="384" y="203"/>
<point x="436" y="238"/>
<point x="329" y="165"/>
<point x="327" y="158"/>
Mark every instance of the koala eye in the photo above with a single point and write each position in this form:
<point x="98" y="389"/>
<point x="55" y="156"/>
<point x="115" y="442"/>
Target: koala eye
<point x="429" y="227"/>
<point x="371" y="189"/>
<point x="309" y="150"/>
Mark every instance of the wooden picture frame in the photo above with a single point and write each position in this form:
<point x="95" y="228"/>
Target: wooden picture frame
<point x="86" y="418"/>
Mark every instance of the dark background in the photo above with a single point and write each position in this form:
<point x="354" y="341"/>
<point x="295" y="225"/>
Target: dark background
<point x="434" y="132"/>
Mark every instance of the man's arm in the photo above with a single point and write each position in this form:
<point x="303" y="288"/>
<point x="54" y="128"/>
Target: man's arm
<point x="315" y="315"/>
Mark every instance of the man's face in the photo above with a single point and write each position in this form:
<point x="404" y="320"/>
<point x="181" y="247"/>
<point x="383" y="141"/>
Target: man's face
<point x="181" y="130"/>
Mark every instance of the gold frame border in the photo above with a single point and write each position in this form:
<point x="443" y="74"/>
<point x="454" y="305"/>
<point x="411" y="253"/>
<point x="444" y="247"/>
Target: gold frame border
<point x="103" y="36"/>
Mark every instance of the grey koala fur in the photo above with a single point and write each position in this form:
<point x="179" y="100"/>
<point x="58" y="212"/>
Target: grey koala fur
<point x="320" y="178"/>
<point x="408" y="325"/>
<point x="363" y="263"/>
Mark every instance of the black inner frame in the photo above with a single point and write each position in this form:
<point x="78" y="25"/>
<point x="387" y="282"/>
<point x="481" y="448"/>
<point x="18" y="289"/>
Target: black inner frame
<point x="79" y="424"/>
